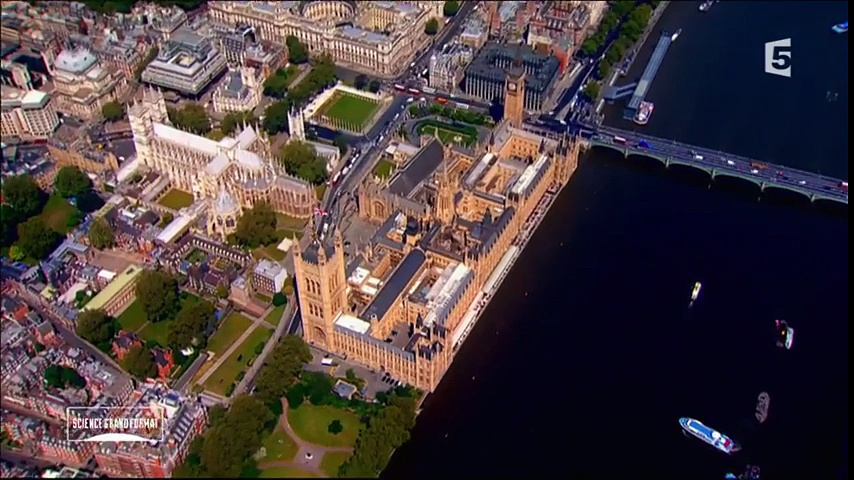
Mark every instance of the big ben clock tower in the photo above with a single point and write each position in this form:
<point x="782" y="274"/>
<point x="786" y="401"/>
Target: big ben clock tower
<point x="514" y="94"/>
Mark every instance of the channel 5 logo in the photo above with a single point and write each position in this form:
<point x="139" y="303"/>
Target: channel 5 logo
<point x="778" y="57"/>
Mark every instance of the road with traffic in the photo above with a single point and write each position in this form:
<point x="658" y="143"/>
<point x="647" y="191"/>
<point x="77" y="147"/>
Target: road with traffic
<point x="767" y="175"/>
<point x="368" y="147"/>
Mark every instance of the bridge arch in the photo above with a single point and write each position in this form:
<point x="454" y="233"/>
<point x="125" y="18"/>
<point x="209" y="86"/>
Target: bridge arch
<point x="740" y="176"/>
<point x="787" y="188"/>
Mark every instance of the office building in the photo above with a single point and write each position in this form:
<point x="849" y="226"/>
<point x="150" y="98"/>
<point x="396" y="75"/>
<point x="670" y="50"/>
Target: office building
<point x="486" y="74"/>
<point x="379" y="37"/>
<point x="447" y="68"/>
<point x="269" y="277"/>
<point x="26" y="114"/>
<point x="187" y="63"/>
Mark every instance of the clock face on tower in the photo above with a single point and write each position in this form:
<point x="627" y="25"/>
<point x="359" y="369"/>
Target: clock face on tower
<point x="511" y="86"/>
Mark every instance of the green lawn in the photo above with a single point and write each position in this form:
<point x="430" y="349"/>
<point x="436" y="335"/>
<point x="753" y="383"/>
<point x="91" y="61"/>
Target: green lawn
<point x="272" y="251"/>
<point x="159" y="332"/>
<point x="320" y="190"/>
<point x="176" y="199"/>
<point x="447" y="133"/>
<point x="331" y="461"/>
<point x="227" y="373"/>
<point x="287" y="222"/>
<point x="286" y="472"/>
<point x="383" y="169"/>
<point x="56" y="212"/>
<point x="133" y="318"/>
<point x="275" y="316"/>
<point x="280" y="447"/>
<point x="311" y="423"/>
<point x="354" y="110"/>
<point x="229" y="331"/>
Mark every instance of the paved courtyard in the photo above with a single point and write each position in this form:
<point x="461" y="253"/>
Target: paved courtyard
<point x="373" y="380"/>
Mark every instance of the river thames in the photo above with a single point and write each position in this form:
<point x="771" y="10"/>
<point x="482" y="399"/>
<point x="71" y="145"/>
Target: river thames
<point x="589" y="354"/>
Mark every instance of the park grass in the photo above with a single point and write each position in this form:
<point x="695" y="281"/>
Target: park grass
<point x="228" y="371"/>
<point x="158" y="332"/>
<point x="133" y="318"/>
<point x="383" y="169"/>
<point x="287" y="222"/>
<point x="228" y="332"/>
<point x="275" y="316"/>
<point x="311" y="422"/>
<point x="286" y="472"/>
<point x="56" y="212"/>
<point x="176" y="199"/>
<point x="350" y="108"/>
<point x="465" y="136"/>
<point x="280" y="446"/>
<point x="331" y="461"/>
<point x="272" y="251"/>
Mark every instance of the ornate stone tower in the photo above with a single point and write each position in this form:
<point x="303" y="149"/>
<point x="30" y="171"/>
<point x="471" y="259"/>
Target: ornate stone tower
<point x="322" y="287"/>
<point x="296" y="125"/>
<point x="446" y="188"/>
<point x="567" y="153"/>
<point x="142" y="115"/>
<point x="514" y="93"/>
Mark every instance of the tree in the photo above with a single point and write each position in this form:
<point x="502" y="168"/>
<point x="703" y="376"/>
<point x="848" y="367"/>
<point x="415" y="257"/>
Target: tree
<point x="71" y="182"/>
<point x="157" y="293"/>
<point x="341" y="142"/>
<point x="15" y="253"/>
<point x="276" y="117"/>
<point x="36" y="239"/>
<point x="300" y="159"/>
<point x="386" y="431"/>
<point x="374" y="86"/>
<point x="281" y="369"/>
<point x="591" y="90"/>
<point x="166" y="219"/>
<point x="431" y="27"/>
<point x="191" y="117"/>
<point x="95" y="326"/>
<point x="9" y="220"/>
<point x="112" y="111"/>
<point x="234" y="120"/>
<point x="297" y="53"/>
<point x="230" y="444"/>
<point x="276" y="85"/>
<point x="361" y="82"/>
<point x="59" y="376"/>
<point x="221" y="291"/>
<point x="191" y="325"/>
<point x="604" y="69"/>
<point x="335" y="427"/>
<point x="139" y="362"/>
<point x="257" y="226"/>
<point x="451" y="8"/>
<point x="279" y="299"/>
<point x="100" y="234"/>
<point x="22" y="194"/>
<point x="216" y="414"/>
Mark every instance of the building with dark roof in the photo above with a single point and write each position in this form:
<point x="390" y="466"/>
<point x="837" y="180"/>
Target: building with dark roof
<point x="486" y="74"/>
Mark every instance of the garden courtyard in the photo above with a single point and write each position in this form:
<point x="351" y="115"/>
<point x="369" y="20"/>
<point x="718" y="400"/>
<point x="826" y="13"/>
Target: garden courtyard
<point x="176" y="199"/>
<point x="301" y="446"/>
<point x="465" y="136"/>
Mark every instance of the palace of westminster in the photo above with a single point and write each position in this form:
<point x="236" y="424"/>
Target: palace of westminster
<point x="445" y="222"/>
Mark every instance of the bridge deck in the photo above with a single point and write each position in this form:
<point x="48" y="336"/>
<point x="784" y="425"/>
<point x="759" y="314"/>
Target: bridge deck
<point x="811" y="184"/>
<point x="650" y="71"/>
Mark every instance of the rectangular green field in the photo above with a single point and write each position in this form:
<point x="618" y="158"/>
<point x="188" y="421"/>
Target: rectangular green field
<point x="133" y="318"/>
<point x="448" y="136"/>
<point x="176" y="199"/>
<point x="228" y="332"/>
<point x="351" y="108"/>
<point x="227" y="372"/>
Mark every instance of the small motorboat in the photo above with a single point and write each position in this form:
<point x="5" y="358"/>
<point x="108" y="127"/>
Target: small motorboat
<point x="785" y="335"/>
